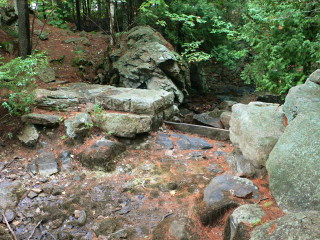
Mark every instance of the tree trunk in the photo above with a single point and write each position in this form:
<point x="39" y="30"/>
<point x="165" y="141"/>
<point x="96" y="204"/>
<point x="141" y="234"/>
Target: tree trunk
<point x="111" y="19"/>
<point x="24" y="28"/>
<point x="79" y="27"/>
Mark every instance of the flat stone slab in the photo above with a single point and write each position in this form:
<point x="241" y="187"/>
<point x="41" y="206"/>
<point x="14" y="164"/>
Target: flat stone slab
<point x="209" y="118"/>
<point x="41" y="119"/>
<point x="209" y="132"/>
<point x="139" y="101"/>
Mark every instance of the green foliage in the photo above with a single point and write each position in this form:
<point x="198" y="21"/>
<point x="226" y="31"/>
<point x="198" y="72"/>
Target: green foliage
<point x="284" y="38"/>
<point x="3" y="3"/>
<point x="17" y="77"/>
<point x="199" y="29"/>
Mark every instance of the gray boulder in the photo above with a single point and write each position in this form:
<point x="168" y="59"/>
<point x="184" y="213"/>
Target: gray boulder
<point x="293" y="226"/>
<point x="293" y="165"/>
<point x="79" y="125"/>
<point x="45" y="164"/>
<point x="255" y="128"/>
<point x="303" y="98"/>
<point x="29" y="135"/>
<point x="219" y="186"/>
<point x="101" y="154"/>
<point x="241" y="220"/>
<point x="123" y="124"/>
<point x="41" y="119"/>
<point x="147" y="60"/>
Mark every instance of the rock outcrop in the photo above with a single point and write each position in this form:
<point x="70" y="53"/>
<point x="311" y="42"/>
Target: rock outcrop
<point x="137" y="110"/>
<point x="304" y="226"/>
<point x="147" y="60"/>
<point x="303" y="98"/>
<point x="293" y="165"/>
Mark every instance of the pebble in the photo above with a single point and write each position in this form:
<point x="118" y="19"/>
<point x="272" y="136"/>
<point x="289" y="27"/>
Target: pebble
<point x="36" y="190"/>
<point x="10" y="215"/>
<point x="32" y="195"/>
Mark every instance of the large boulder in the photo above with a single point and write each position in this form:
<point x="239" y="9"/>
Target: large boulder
<point x="101" y="154"/>
<point x="303" y="98"/>
<point x="299" y="226"/>
<point x="123" y="124"/>
<point x="293" y="165"/>
<point x="255" y="128"/>
<point x="147" y="60"/>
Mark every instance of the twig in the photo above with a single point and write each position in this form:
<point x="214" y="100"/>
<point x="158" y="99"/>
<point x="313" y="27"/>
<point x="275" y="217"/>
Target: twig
<point x="8" y="164"/>
<point x="8" y="225"/>
<point x="262" y="199"/>
<point x="165" y="216"/>
<point x="34" y="229"/>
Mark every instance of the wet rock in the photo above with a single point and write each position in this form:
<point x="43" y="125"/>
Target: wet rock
<point x="100" y="155"/>
<point x="79" y="125"/>
<point x="180" y="228"/>
<point x="29" y="135"/>
<point x="191" y="143"/>
<point x="209" y="118"/>
<point x="234" y="186"/>
<point x="165" y="141"/>
<point x="293" y="165"/>
<point x="303" y="98"/>
<point x="225" y="118"/>
<point x="46" y="164"/>
<point x="41" y="119"/>
<point x="301" y="225"/>
<point x="242" y="220"/>
<point x="255" y="128"/>
<point x="123" y="125"/>
<point x="10" y="193"/>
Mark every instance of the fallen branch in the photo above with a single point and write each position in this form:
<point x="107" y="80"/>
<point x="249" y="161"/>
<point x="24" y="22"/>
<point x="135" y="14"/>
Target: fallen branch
<point x="8" y="225"/>
<point x="34" y="229"/>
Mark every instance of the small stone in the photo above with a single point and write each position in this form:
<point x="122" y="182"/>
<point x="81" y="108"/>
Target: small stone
<point x="42" y="195"/>
<point x="32" y="195"/>
<point x="37" y="190"/>
<point x="10" y="215"/>
<point x="29" y="135"/>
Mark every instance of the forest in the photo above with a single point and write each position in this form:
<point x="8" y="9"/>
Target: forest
<point x="159" y="119"/>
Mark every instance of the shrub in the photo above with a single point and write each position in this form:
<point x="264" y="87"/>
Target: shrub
<point x="17" y="79"/>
